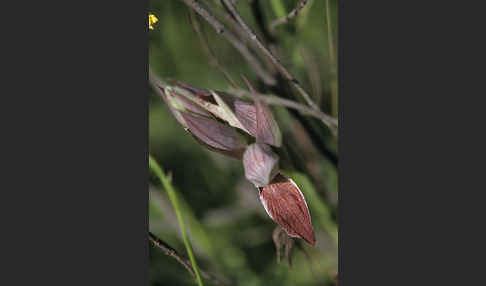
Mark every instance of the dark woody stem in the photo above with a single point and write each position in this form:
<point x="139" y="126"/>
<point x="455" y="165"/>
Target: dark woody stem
<point x="268" y="54"/>
<point x="168" y="250"/>
<point x="287" y="18"/>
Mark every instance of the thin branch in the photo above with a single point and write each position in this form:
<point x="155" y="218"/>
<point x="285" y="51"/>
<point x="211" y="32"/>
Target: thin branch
<point x="237" y="44"/>
<point x="287" y="18"/>
<point x="260" y="19"/>
<point x="241" y="33"/>
<point x="328" y="120"/>
<point x="220" y="29"/>
<point x="170" y="251"/>
<point x="225" y="16"/>
<point x="267" y="53"/>
<point x="213" y="60"/>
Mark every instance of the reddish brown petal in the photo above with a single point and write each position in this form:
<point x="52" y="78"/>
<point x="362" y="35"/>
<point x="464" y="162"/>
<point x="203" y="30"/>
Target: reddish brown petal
<point x="285" y="204"/>
<point x="261" y="164"/>
<point x="218" y="136"/>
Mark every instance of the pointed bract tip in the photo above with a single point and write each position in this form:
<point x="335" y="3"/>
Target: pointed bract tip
<point x="196" y="90"/>
<point x="267" y="129"/>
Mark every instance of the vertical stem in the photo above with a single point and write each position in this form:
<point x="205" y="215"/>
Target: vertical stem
<point x="332" y="59"/>
<point x="154" y="166"/>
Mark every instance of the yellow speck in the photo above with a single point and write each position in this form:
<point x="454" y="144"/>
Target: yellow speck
<point x="152" y="21"/>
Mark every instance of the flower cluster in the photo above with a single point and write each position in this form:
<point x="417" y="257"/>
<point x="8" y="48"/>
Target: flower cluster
<point x="214" y="118"/>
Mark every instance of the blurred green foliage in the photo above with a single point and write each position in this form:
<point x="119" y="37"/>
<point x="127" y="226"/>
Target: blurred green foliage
<point x="228" y="228"/>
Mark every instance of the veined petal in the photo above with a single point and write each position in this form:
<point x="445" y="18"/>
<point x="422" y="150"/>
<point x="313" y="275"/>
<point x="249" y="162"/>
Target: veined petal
<point x="267" y="130"/>
<point x="286" y="205"/>
<point x="246" y="114"/>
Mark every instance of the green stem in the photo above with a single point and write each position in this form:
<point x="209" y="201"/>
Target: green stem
<point x="155" y="167"/>
<point x="332" y="59"/>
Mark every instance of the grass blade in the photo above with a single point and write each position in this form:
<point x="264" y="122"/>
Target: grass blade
<point x="155" y="167"/>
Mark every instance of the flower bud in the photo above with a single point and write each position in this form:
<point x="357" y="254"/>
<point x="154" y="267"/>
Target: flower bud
<point x="285" y="204"/>
<point x="246" y="114"/>
<point x="267" y="130"/>
<point x="209" y="132"/>
<point x="221" y="104"/>
<point x="215" y="135"/>
<point x="260" y="163"/>
<point x="255" y="118"/>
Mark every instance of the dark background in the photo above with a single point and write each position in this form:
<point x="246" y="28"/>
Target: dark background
<point x="75" y="128"/>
